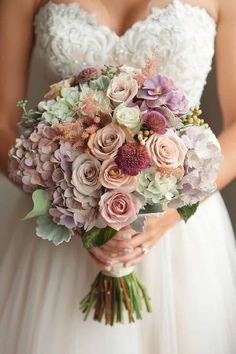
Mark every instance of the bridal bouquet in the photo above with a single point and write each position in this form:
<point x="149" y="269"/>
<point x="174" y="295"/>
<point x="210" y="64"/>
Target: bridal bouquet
<point x="104" y="149"/>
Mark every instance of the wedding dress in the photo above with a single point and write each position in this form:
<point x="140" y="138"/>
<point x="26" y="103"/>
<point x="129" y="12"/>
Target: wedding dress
<point x="190" y="273"/>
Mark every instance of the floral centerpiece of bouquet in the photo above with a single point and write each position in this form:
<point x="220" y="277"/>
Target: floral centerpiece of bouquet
<point x="104" y="149"/>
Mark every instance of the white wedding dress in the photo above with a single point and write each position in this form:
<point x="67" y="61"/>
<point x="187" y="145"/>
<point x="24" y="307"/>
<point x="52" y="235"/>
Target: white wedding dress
<point x="190" y="273"/>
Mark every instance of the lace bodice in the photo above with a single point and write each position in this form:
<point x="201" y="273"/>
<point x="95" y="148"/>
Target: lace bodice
<point x="181" y="35"/>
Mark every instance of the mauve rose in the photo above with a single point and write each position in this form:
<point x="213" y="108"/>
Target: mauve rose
<point x="106" y="141"/>
<point x="85" y="174"/>
<point x="122" y="89"/>
<point x="112" y="177"/>
<point x="119" y="209"/>
<point x="166" y="151"/>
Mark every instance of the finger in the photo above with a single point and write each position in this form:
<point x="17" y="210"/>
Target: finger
<point x="120" y="245"/>
<point x="102" y="256"/>
<point x="125" y="233"/>
<point x="100" y="265"/>
<point x="115" y="252"/>
<point x="139" y="240"/>
<point x="131" y="256"/>
<point x="134" y="261"/>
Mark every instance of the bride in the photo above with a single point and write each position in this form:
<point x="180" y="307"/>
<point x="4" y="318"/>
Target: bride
<point x="191" y="269"/>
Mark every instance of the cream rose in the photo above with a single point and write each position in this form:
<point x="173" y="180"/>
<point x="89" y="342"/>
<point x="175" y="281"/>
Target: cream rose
<point x="119" y="209"/>
<point x="122" y="89"/>
<point x="166" y="151"/>
<point x="106" y="141"/>
<point x="85" y="174"/>
<point x="131" y="117"/>
<point x="112" y="177"/>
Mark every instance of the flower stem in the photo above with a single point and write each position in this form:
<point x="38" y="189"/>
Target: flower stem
<point x="111" y="297"/>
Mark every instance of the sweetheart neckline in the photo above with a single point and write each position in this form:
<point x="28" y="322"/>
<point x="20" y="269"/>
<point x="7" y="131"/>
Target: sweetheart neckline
<point x="154" y="9"/>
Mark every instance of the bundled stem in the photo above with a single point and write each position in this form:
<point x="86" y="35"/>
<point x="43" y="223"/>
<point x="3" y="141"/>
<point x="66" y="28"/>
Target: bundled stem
<point x="110" y="296"/>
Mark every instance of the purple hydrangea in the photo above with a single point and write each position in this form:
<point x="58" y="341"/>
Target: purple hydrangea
<point x="160" y="91"/>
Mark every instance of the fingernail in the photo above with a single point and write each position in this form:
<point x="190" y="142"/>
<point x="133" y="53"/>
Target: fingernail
<point x="111" y="263"/>
<point x="113" y="254"/>
<point x="108" y="268"/>
<point x="128" y="250"/>
<point x="127" y="265"/>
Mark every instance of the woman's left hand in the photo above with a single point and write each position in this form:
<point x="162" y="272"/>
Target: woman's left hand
<point x="131" y="251"/>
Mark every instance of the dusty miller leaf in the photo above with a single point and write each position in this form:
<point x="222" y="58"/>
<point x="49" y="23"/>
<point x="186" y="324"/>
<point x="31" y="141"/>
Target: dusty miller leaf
<point x="138" y="224"/>
<point x="48" y="230"/>
<point x="151" y="209"/>
<point x="41" y="204"/>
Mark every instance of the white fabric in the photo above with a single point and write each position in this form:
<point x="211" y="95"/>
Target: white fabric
<point x="191" y="271"/>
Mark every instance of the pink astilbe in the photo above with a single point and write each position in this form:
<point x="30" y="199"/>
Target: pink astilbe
<point x="148" y="71"/>
<point x="91" y="108"/>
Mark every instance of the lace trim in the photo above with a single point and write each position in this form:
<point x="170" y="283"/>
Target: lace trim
<point x="75" y="10"/>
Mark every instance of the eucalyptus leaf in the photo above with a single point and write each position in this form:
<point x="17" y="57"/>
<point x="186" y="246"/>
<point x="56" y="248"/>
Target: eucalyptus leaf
<point x="41" y="204"/>
<point x="138" y="224"/>
<point x="187" y="211"/>
<point x="48" y="230"/>
<point x="97" y="237"/>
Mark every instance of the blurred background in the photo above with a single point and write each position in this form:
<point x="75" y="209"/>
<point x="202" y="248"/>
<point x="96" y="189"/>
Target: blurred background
<point x="212" y="114"/>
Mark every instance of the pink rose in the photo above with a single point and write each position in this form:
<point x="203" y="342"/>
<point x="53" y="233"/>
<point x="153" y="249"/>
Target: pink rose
<point x="166" y="151"/>
<point x="119" y="209"/>
<point x="85" y="174"/>
<point x="106" y="141"/>
<point x="122" y="89"/>
<point x="112" y="177"/>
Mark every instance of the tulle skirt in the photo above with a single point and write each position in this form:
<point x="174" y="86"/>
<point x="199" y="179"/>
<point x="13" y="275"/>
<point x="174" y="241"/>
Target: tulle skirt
<point x="190" y="275"/>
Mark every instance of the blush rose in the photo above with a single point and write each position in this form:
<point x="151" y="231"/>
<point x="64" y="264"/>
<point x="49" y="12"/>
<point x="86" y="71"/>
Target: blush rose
<point x="112" y="177"/>
<point x="119" y="209"/>
<point x="166" y="151"/>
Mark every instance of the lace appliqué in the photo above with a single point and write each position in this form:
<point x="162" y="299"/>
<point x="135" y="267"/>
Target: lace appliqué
<point x="182" y="36"/>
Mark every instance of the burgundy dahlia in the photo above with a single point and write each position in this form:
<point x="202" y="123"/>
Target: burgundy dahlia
<point x="132" y="158"/>
<point x="155" y="121"/>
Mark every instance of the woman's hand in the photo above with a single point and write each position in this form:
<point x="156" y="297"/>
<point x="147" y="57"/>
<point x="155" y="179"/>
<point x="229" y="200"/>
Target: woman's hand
<point x="126" y="246"/>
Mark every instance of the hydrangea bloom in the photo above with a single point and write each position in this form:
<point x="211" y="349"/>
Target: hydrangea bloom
<point x="202" y="164"/>
<point x="156" y="189"/>
<point x="160" y="91"/>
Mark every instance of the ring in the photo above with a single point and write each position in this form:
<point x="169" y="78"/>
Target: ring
<point x="144" y="249"/>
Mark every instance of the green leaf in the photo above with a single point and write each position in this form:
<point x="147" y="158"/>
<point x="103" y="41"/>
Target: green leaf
<point x="48" y="230"/>
<point x="187" y="211"/>
<point x="41" y="204"/>
<point x="97" y="237"/>
<point x="151" y="209"/>
<point x="138" y="224"/>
